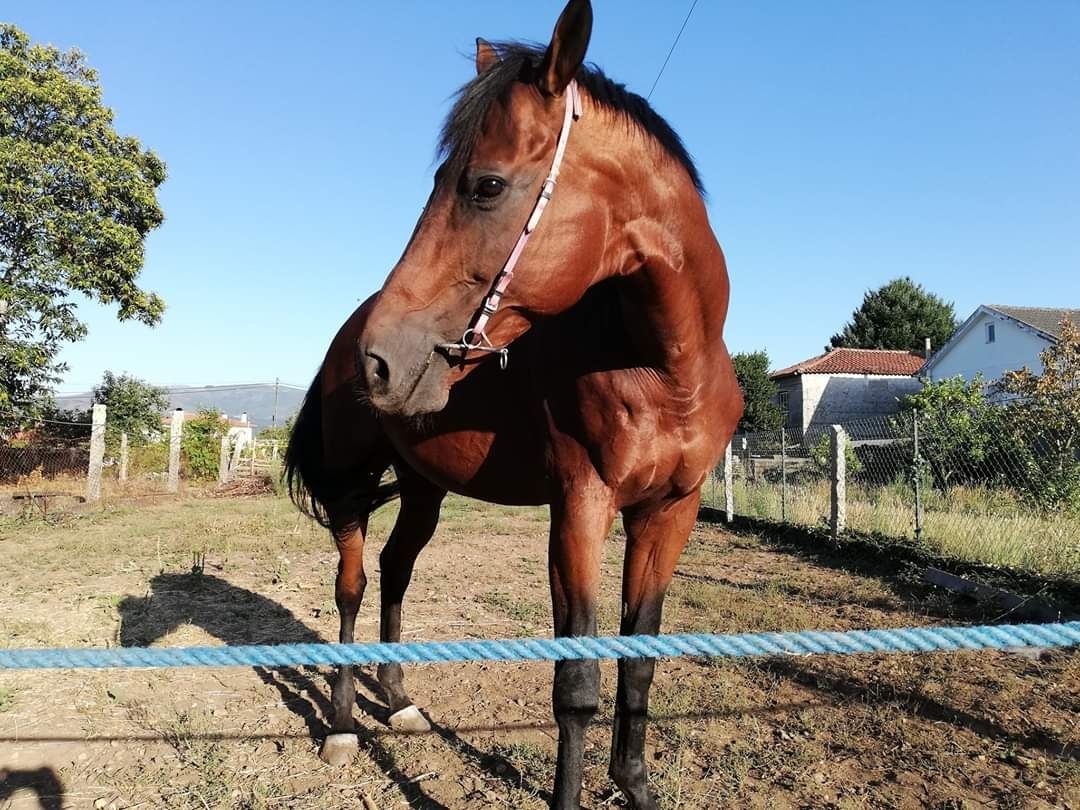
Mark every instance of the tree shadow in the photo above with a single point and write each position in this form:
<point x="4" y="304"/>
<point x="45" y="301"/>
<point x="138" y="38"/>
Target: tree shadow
<point x="825" y="679"/>
<point x="235" y="615"/>
<point x="43" y="782"/>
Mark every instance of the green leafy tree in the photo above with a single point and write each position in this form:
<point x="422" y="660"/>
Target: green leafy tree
<point x="821" y="455"/>
<point x="76" y="203"/>
<point x="200" y="444"/>
<point x="134" y="407"/>
<point x="1044" y="421"/>
<point x="761" y="411"/>
<point x="278" y="433"/>
<point x="956" y="428"/>
<point x="62" y="428"/>
<point x="900" y="315"/>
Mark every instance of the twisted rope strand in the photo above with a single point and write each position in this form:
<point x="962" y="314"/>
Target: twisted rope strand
<point x="807" y="642"/>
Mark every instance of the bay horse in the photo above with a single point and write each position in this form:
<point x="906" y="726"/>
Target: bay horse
<point x="597" y="382"/>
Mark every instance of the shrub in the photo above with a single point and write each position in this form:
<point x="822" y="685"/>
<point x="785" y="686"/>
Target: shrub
<point x="200" y="447"/>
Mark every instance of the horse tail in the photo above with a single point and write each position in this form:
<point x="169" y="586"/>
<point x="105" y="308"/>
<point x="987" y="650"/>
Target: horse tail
<point x="312" y="489"/>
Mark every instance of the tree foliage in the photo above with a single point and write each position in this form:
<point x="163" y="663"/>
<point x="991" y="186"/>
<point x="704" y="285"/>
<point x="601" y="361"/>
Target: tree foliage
<point x="133" y="406"/>
<point x="760" y="411"/>
<point x="76" y="203"/>
<point x="899" y="315"/>
<point x="956" y="426"/>
<point x="200" y="444"/>
<point x="1044" y="419"/>
<point x="1026" y="438"/>
<point x="278" y="433"/>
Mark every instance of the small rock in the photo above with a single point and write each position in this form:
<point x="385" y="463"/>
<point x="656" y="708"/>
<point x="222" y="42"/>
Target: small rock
<point x="100" y="803"/>
<point x="819" y="777"/>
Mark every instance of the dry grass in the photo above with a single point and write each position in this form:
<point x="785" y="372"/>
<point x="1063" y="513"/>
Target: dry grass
<point x="971" y="524"/>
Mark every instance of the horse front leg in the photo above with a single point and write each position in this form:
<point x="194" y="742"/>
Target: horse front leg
<point x="416" y="522"/>
<point x="655" y="537"/>
<point x="341" y="743"/>
<point x="579" y="525"/>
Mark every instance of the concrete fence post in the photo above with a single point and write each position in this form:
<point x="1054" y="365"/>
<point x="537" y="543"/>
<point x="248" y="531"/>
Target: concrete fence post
<point x="223" y="461"/>
<point x="176" y="431"/>
<point x="838" y="446"/>
<point x="234" y="462"/>
<point x="783" y="475"/>
<point x="97" y="453"/>
<point x="122" y="473"/>
<point x="729" y="485"/>
<point x="254" y="444"/>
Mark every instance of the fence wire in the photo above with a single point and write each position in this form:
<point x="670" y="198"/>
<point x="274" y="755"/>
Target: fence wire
<point x="47" y="450"/>
<point x="1007" y="492"/>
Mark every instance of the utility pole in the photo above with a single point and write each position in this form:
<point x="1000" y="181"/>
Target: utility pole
<point x="273" y="419"/>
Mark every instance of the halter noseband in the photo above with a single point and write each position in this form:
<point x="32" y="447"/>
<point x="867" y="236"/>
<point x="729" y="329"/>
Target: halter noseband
<point x="475" y="339"/>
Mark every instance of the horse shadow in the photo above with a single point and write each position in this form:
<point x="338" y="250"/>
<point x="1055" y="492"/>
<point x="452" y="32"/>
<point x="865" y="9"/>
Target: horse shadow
<point x="235" y="615"/>
<point x="43" y="782"/>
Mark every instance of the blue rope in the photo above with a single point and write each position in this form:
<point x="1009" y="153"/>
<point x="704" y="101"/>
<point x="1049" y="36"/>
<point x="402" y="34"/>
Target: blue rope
<point x="808" y="642"/>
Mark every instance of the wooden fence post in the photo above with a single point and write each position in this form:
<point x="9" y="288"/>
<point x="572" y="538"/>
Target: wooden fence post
<point x="223" y="461"/>
<point x="838" y="446"/>
<point x="176" y="430"/>
<point x="122" y="474"/>
<point x="729" y="486"/>
<point x="97" y="454"/>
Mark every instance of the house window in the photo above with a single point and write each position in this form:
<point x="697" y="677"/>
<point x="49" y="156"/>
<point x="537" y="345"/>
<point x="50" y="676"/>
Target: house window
<point x="990" y="336"/>
<point x="783" y="397"/>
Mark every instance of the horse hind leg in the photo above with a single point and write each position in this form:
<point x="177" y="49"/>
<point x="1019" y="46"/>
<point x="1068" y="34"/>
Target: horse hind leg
<point x="416" y="522"/>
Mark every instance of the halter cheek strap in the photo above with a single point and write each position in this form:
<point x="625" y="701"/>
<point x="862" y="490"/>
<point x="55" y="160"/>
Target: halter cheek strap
<point x="475" y="337"/>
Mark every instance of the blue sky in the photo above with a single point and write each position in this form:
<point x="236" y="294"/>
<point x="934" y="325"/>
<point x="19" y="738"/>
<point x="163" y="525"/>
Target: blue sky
<point x="842" y="144"/>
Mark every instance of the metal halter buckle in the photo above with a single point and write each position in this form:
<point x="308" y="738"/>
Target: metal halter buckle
<point x="479" y="343"/>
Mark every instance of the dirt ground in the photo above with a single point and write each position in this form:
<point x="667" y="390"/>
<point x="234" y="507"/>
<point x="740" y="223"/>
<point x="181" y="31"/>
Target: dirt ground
<point x="942" y="730"/>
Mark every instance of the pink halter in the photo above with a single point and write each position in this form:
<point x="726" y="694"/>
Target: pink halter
<point x="475" y="338"/>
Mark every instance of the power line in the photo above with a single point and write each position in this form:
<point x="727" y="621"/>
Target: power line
<point x="678" y="36"/>
<point x="184" y="389"/>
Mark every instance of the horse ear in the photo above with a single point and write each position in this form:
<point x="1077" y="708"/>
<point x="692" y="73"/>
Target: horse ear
<point x="486" y="55"/>
<point x="567" y="49"/>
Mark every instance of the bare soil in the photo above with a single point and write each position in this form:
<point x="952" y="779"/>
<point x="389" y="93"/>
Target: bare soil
<point x="940" y="730"/>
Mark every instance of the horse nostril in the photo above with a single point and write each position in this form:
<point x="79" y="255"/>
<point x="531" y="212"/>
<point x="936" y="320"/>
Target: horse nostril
<point x="378" y="370"/>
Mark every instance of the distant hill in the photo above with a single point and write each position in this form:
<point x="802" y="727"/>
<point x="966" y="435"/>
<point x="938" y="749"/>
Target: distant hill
<point x="256" y="400"/>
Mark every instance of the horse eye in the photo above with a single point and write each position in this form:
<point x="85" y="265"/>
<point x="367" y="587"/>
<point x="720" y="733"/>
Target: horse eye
<point x="488" y="188"/>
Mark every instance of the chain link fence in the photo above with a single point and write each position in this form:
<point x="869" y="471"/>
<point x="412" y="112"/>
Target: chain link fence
<point x="1005" y="493"/>
<point x="51" y="461"/>
<point x="48" y="450"/>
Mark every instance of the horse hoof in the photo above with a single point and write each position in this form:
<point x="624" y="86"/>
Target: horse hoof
<point x="339" y="749"/>
<point x="409" y="720"/>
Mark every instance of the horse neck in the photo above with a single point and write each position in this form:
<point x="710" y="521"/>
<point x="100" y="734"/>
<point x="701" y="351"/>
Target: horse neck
<point x="674" y="279"/>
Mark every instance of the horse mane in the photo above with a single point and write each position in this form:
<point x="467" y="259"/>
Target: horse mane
<point x="519" y="61"/>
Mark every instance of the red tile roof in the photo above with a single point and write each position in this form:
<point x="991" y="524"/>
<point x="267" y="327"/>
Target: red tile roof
<point x="886" y="362"/>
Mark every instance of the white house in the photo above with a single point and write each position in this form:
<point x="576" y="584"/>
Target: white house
<point x="996" y="339"/>
<point x="846" y="384"/>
